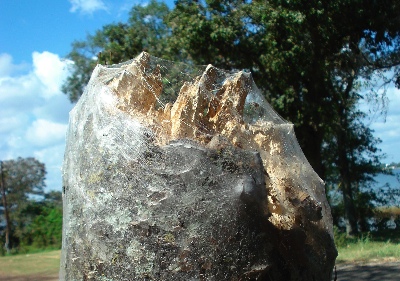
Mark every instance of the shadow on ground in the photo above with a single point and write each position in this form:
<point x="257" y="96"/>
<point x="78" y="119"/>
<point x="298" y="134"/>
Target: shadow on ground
<point x="388" y="271"/>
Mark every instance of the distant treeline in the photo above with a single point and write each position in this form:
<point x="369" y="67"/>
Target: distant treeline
<point x="30" y="219"/>
<point x="393" y="165"/>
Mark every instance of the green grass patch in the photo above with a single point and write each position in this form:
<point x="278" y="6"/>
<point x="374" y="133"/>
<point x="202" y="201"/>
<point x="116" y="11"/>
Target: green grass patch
<point x="370" y="246"/>
<point x="33" y="250"/>
<point x="29" y="264"/>
<point x="366" y="251"/>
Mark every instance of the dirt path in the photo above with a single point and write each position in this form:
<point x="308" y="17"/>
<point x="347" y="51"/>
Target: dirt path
<point x="373" y="271"/>
<point x="36" y="277"/>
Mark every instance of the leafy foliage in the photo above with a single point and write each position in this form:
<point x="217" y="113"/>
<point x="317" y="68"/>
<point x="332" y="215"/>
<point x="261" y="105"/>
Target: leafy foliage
<point x="35" y="217"/>
<point x="44" y="228"/>
<point x="145" y="30"/>
<point x="38" y="225"/>
<point x="21" y="178"/>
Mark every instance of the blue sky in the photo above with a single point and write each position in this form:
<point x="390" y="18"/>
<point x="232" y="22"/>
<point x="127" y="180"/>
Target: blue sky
<point x="35" y="37"/>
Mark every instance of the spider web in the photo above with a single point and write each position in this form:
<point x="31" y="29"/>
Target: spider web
<point x="135" y="113"/>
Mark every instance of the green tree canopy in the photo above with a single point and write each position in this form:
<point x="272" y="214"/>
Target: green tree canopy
<point x="23" y="177"/>
<point x="293" y="48"/>
<point x="114" y="43"/>
<point x="39" y="223"/>
<point x="20" y="179"/>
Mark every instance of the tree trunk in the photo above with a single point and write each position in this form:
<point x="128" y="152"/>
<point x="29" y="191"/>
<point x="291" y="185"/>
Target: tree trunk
<point x="6" y="213"/>
<point x="343" y="152"/>
<point x="315" y="112"/>
<point x="344" y="170"/>
<point x="349" y="209"/>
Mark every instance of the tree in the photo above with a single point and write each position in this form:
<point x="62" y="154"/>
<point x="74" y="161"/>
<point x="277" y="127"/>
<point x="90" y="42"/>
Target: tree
<point x="53" y="198"/>
<point x="6" y="209"/>
<point x="145" y="31"/>
<point x="291" y="47"/>
<point x="41" y="222"/>
<point x="21" y="179"/>
<point x="355" y="161"/>
<point x="46" y="228"/>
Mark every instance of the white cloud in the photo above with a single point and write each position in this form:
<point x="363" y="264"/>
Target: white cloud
<point x="43" y="133"/>
<point x="87" y="6"/>
<point x="394" y="101"/>
<point x="5" y="64"/>
<point x="8" y="123"/>
<point x="34" y="111"/>
<point x="53" y="109"/>
<point x="385" y="97"/>
<point x="51" y="72"/>
<point x="18" y="93"/>
<point x="389" y="130"/>
<point x="54" y="156"/>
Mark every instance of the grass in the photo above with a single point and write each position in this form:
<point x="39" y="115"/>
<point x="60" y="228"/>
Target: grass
<point x="368" y="251"/>
<point x="30" y="264"/>
<point x="383" y="245"/>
